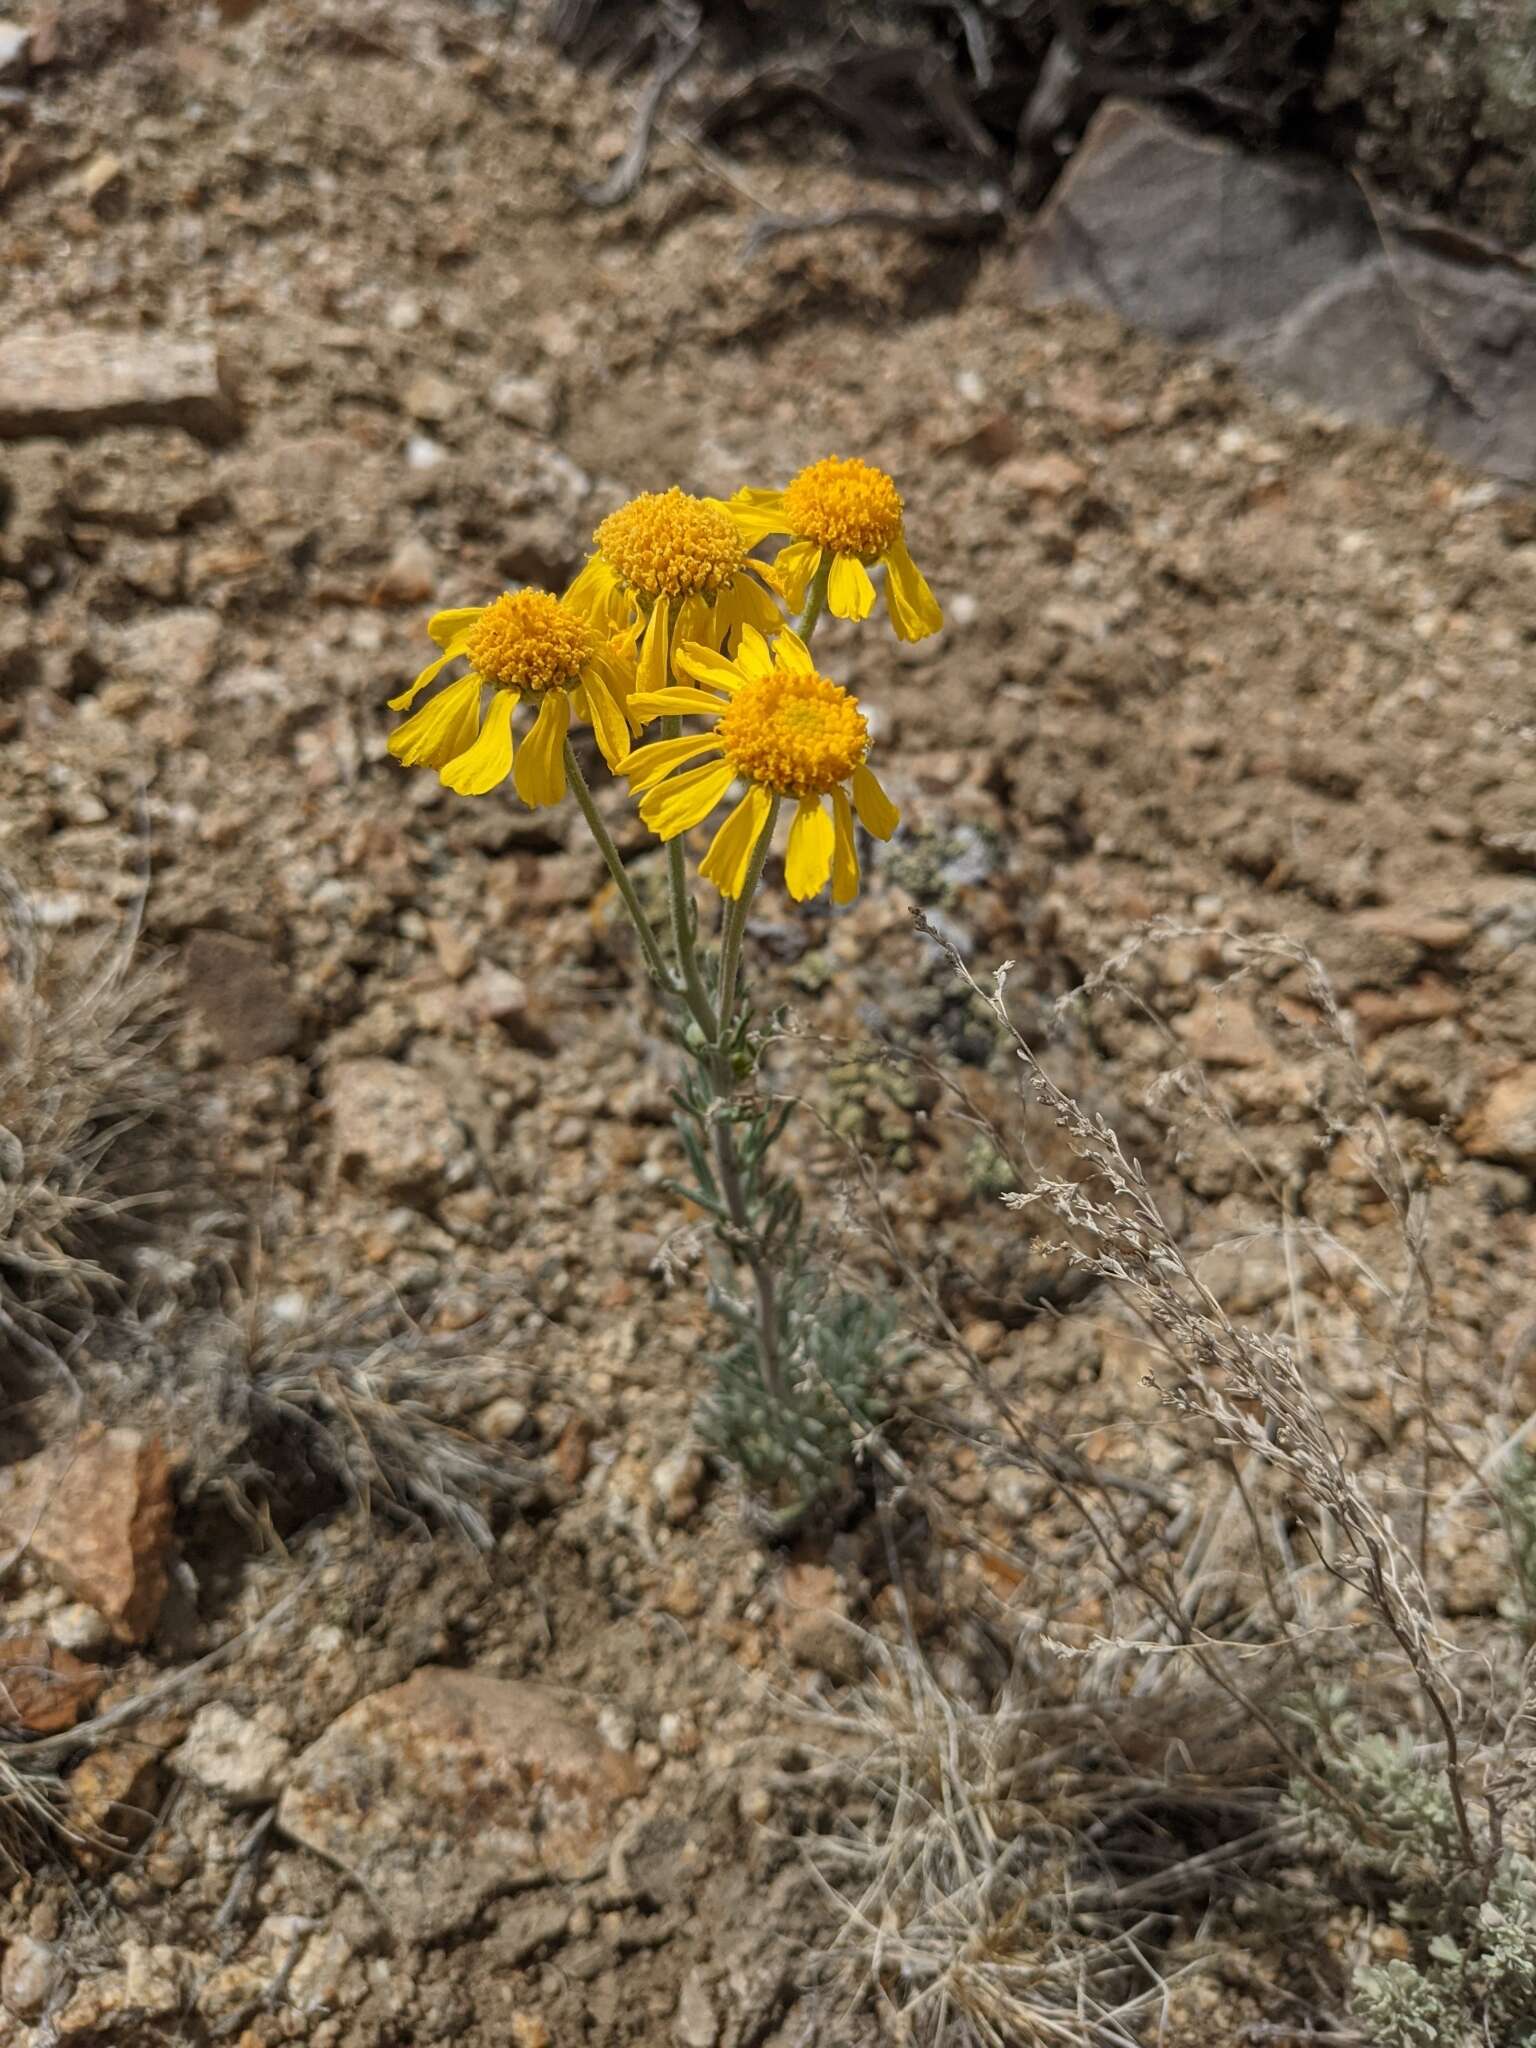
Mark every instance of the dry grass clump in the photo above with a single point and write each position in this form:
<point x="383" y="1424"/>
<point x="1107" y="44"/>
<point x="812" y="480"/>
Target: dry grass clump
<point x="370" y="1401"/>
<point x="1020" y="1871"/>
<point x="80" y="1092"/>
<point x="1252" y="1549"/>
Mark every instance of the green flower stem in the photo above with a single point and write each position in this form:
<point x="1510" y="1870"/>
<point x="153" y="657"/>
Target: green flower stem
<point x="736" y="921"/>
<point x="684" y="944"/>
<point x="815" y="598"/>
<point x="626" y="888"/>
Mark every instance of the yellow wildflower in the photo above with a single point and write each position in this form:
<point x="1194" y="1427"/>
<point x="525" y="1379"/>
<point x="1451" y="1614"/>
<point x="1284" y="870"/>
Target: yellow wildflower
<point x="784" y="729"/>
<point x="676" y="567"/>
<point x="525" y="644"/>
<point x="848" y="510"/>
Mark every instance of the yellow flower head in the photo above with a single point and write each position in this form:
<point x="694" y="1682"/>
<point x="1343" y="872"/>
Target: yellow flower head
<point x="525" y="644"/>
<point x="675" y="566"/>
<point x="784" y="729"/>
<point x="847" y="510"/>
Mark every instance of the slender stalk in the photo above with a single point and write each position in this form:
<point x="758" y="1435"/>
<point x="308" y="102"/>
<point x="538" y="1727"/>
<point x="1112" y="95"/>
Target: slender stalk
<point x="736" y="921"/>
<point x="680" y="897"/>
<point x="815" y="599"/>
<point x="626" y="888"/>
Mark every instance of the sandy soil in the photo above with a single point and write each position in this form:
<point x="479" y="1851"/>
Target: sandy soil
<point x="1209" y="661"/>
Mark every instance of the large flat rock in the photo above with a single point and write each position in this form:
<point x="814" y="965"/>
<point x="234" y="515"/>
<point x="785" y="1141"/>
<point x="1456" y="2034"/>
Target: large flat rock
<point x="86" y="379"/>
<point x="456" y="1786"/>
<point x="1288" y="269"/>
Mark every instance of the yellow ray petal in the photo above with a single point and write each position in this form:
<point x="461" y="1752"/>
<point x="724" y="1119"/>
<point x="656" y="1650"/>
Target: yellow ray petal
<point x="603" y="709"/>
<point x="752" y="657"/>
<point x="692" y="620"/>
<point x="850" y="594"/>
<point x="794" y="567"/>
<point x="489" y="761"/>
<point x="441" y="729"/>
<point x="845" y="852"/>
<point x="655" y="649"/>
<point x="912" y="605"/>
<point x="791" y="652"/>
<point x="706" y="666"/>
<point x="877" y="814"/>
<point x="429" y="674"/>
<point x="445" y="627"/>
<point x="808" y="857"/>
<point x="674" y="703"/>
<point x="538" y="775"/>
<point x="686" y="800"/>
<point x="756" y="513"/>
<point x="595" y="593"/>
<point x="647" y="765"/>
<point x="744" y="602"/>
<point x="730" y="851"/>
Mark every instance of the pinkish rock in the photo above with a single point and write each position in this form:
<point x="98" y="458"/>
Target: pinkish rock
<point x="96" y="1515"/>
<point x="1503" y="1125"/>
<point x="442" y="1792"/>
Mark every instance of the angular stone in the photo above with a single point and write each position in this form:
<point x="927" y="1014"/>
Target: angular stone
<point x="15" y="53"/>
<point x="173" y="649"/>
<point x="241" y="995"/>
<point x="1189" y="236"/>
<point x="1222" y="1031"/>
<point x="114" y="1796"/>
<point x="394" y="1133"/>
<point x="241" y="1761"/>
<point x="1284" y="267"/>
<point x="84" y="380"/>
<point x="96" y="1515"/>
<point x="43" y="1689"/>
<point x="455" y="1786"/>
<point x="27" y="1977"/>
<point x="1503" y="1125"/>
<point x="526" y="401"/>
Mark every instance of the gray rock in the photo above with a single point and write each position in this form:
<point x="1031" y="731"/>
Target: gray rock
<point x="242" y="996"/>
<point x="1285" y="268"/>
<point x="82" y="381"/>
<point x="174" y="649"/>
<point x="454" y="1787"/>
<point x="1189" y="236"/>
<point x="243" y="1763"/>
<point x="527" y="401"/>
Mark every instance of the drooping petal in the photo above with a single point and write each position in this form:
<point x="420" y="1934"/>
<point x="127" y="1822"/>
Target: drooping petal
<point x="441" y="729"/>
<point x="654" y="649"/>
<point x="744" y="602"/>
<point x="756" y="514"/>
<point x="877" y="814"/>
<point x="686" y="800"/>
<point x="850" y="594"/>
<point x="538" y="775"/>
<point x="645" y="767"/>
<point x="693" y="620"/>
<point x="795" y="566"/>
<point x="791" y="652"/>
<point x="489" y="761"/>
<point x="674" y="703"/>
<point x="429" y="674"/>
<point x="445" y="627"/>
<point x="596" y="594"/>
<point x="912" y="605"/>
<point x="808" y="857"/>
<point x="705" y="666"/>
<point x="752" y="657"/>
<point x="603" y="709"/>
<point x="730" y="851"/>
<point x="845" y="852"/>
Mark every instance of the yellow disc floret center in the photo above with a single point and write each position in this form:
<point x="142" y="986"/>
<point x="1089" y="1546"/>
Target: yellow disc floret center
<point x="796" y="734"/>
<point x="528" y="640"/>
<point x="844" y="505"/>
<point x="668" y="544"/>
